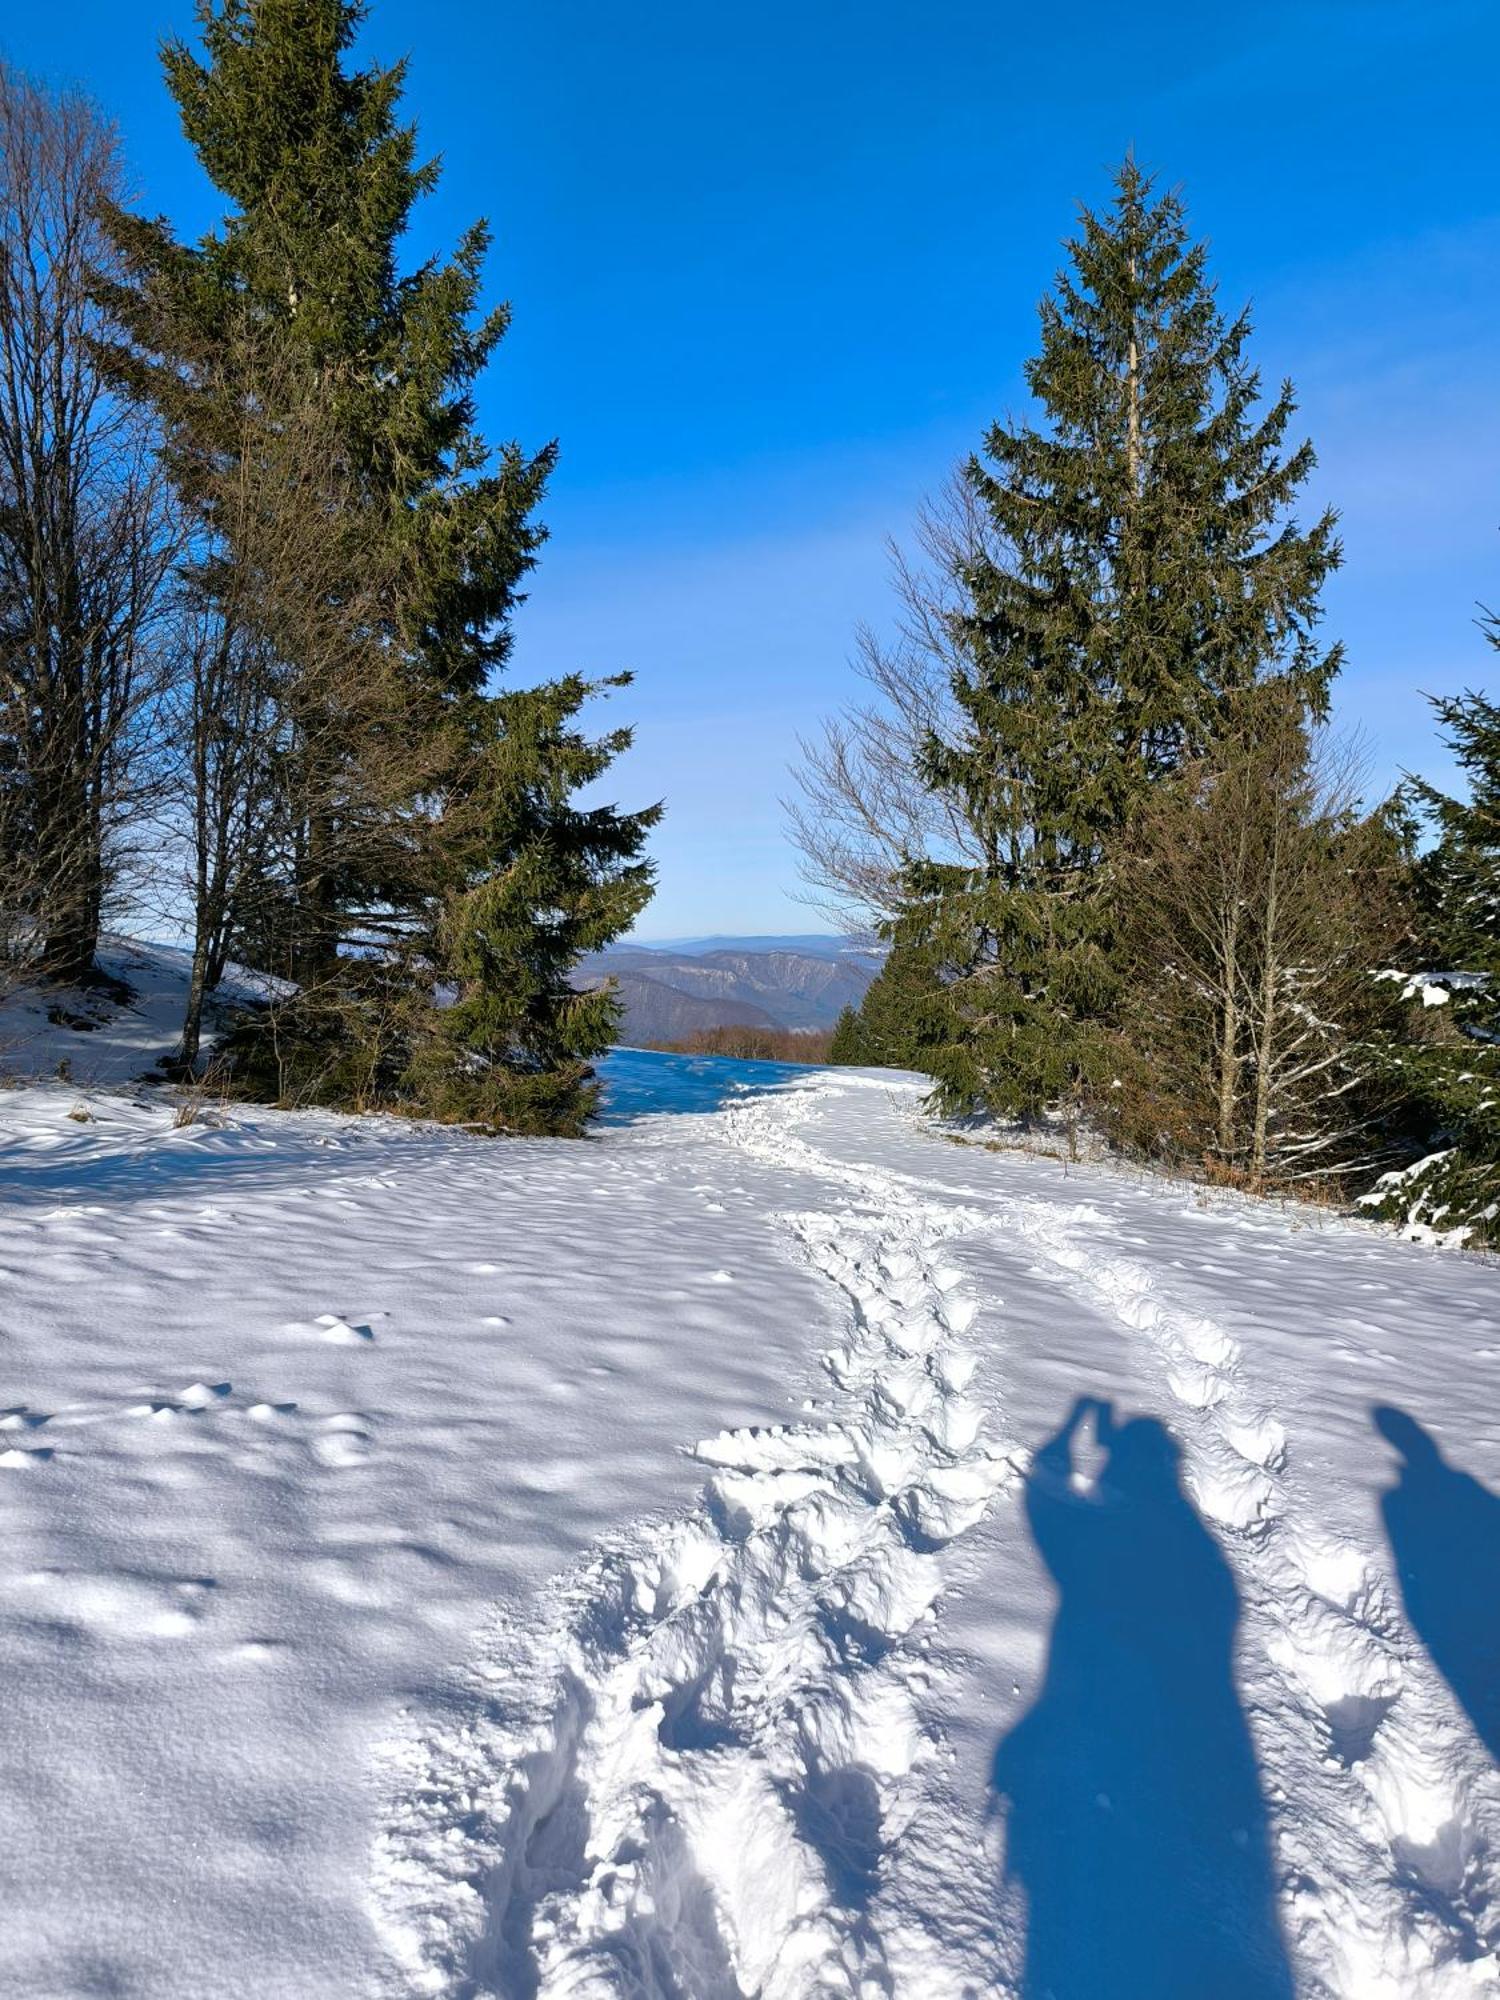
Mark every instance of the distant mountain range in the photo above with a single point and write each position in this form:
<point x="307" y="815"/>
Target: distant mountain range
<point x="670" y="991"/>
<point x="811" y="944"/>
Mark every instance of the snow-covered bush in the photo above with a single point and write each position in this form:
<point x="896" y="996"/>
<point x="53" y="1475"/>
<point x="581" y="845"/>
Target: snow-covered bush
<point x="1449" y="1068"/>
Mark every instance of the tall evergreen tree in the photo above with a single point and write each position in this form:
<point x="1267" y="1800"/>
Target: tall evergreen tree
<point x="1140" y="568"/>
<point x="296" y="311"/>
<point x="296" y="307"/>
<point x="1449" y="1069"/>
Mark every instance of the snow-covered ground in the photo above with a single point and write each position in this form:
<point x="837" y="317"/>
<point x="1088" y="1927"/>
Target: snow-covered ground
<point x="98" y="1038"/>
<point x="765" y="1549"/>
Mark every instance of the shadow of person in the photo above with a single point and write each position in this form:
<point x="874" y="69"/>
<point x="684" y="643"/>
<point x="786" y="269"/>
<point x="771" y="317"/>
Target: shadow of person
<point x="1135" y="1825"/>
<point x="1444" y="1530"/>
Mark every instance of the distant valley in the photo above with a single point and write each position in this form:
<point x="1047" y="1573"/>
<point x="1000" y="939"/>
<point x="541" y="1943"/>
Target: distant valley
<point x="671" y="992"/>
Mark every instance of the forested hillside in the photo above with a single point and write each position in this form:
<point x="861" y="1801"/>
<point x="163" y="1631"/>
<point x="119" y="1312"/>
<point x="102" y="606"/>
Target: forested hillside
<point x="666" y="994"/>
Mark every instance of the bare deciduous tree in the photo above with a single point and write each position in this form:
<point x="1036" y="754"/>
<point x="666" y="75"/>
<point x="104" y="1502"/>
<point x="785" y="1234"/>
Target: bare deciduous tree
<point x="222" y="727"/>
<point x="1254" y="900"/>
<point x="861" y="811"/>
<point x="85" y="538"/>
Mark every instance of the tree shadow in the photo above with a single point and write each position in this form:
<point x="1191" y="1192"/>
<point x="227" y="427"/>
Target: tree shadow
<point x="1135" y="1825"/>
<point x="157" y="1164"/>
<point x="1444" y="1530"/>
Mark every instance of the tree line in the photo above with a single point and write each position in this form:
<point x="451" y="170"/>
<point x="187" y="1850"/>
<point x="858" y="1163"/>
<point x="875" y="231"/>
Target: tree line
<point x="258" y="569"/>
<point x="740" y="1043"/>
<point x="1091" y="801"/>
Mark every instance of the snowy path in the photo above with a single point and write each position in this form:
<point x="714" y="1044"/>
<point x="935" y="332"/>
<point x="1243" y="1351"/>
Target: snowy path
<point x="733" y="1782"/>
<point x="687" y="1788"/>
<point x="1390" y="1831"/>
<point x="765" y="1554"/>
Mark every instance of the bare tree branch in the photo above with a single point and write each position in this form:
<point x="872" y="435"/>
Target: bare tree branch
<point x="861" y="811"/>
<point x="86" y="543"/>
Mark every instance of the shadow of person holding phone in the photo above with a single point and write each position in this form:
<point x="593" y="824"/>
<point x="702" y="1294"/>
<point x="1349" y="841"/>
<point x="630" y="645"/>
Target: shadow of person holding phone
<point x="1135" y="1825"/>
<point x="1444" y="1530"/>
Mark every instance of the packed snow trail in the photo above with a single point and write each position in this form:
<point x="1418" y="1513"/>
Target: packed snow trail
<point x="701" y="1801"/>
<point x="1392" y="1846"/>
<point x="712" y="1798"/>
<point x="1389" y="1840"/>
<point x="839" y="1489"/>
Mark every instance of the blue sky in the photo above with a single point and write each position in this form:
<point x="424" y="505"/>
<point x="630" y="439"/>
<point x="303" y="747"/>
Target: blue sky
<point x="774" y="269"/>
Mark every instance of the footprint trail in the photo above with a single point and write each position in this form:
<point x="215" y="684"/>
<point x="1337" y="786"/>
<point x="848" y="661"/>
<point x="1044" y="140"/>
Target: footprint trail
<point x="692" y="1774"/>
<point x="688" y="1783"/>
<point x="1386" y="1830"/>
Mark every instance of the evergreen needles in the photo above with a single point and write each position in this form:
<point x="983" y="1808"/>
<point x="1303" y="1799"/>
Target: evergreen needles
<point x="383" y="830"/>
<point x="1138" y="570"/>
<point x="1446" y="1068"/>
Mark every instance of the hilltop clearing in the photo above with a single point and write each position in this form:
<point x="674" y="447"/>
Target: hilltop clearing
<point x="762" y="1549"/>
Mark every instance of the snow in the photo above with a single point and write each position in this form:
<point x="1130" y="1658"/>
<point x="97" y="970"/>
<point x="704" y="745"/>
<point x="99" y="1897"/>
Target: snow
<point x="99" y="1040"/>
<point x="1435" y="989"/>
<point x="766" y="1549"/>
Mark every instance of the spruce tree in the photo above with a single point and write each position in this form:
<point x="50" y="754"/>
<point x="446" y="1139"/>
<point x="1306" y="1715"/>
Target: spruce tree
<point x="845" y="1044"/>
<point x="1144" y="569"/>
<point x="1448" y="1070"/>
<point x="902" y="1017"/>
<point x="294" y="319"/>
<point x="297" y="309"/>
<point x="514" y="1050"/>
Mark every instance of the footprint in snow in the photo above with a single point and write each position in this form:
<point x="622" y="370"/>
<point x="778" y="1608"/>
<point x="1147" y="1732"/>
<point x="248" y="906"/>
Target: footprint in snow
<point x="119" y="1604"/>
<point x="342" y="1441"/>
<point x="332" y="1327"/>
<point x="203" y="1395"/>
<point x="189" y="1402"/>
<point x="252" y="1652"/>
<point x="342" y="1332"/>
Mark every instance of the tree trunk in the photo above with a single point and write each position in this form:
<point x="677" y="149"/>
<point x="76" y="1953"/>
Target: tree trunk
<point x="1229" y="1027"/>
<point x="1229" y="1061"/>
<point x="192" y="1020"/>
<point x="1266" y="1038"/>
<point x="68" y="871"/>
